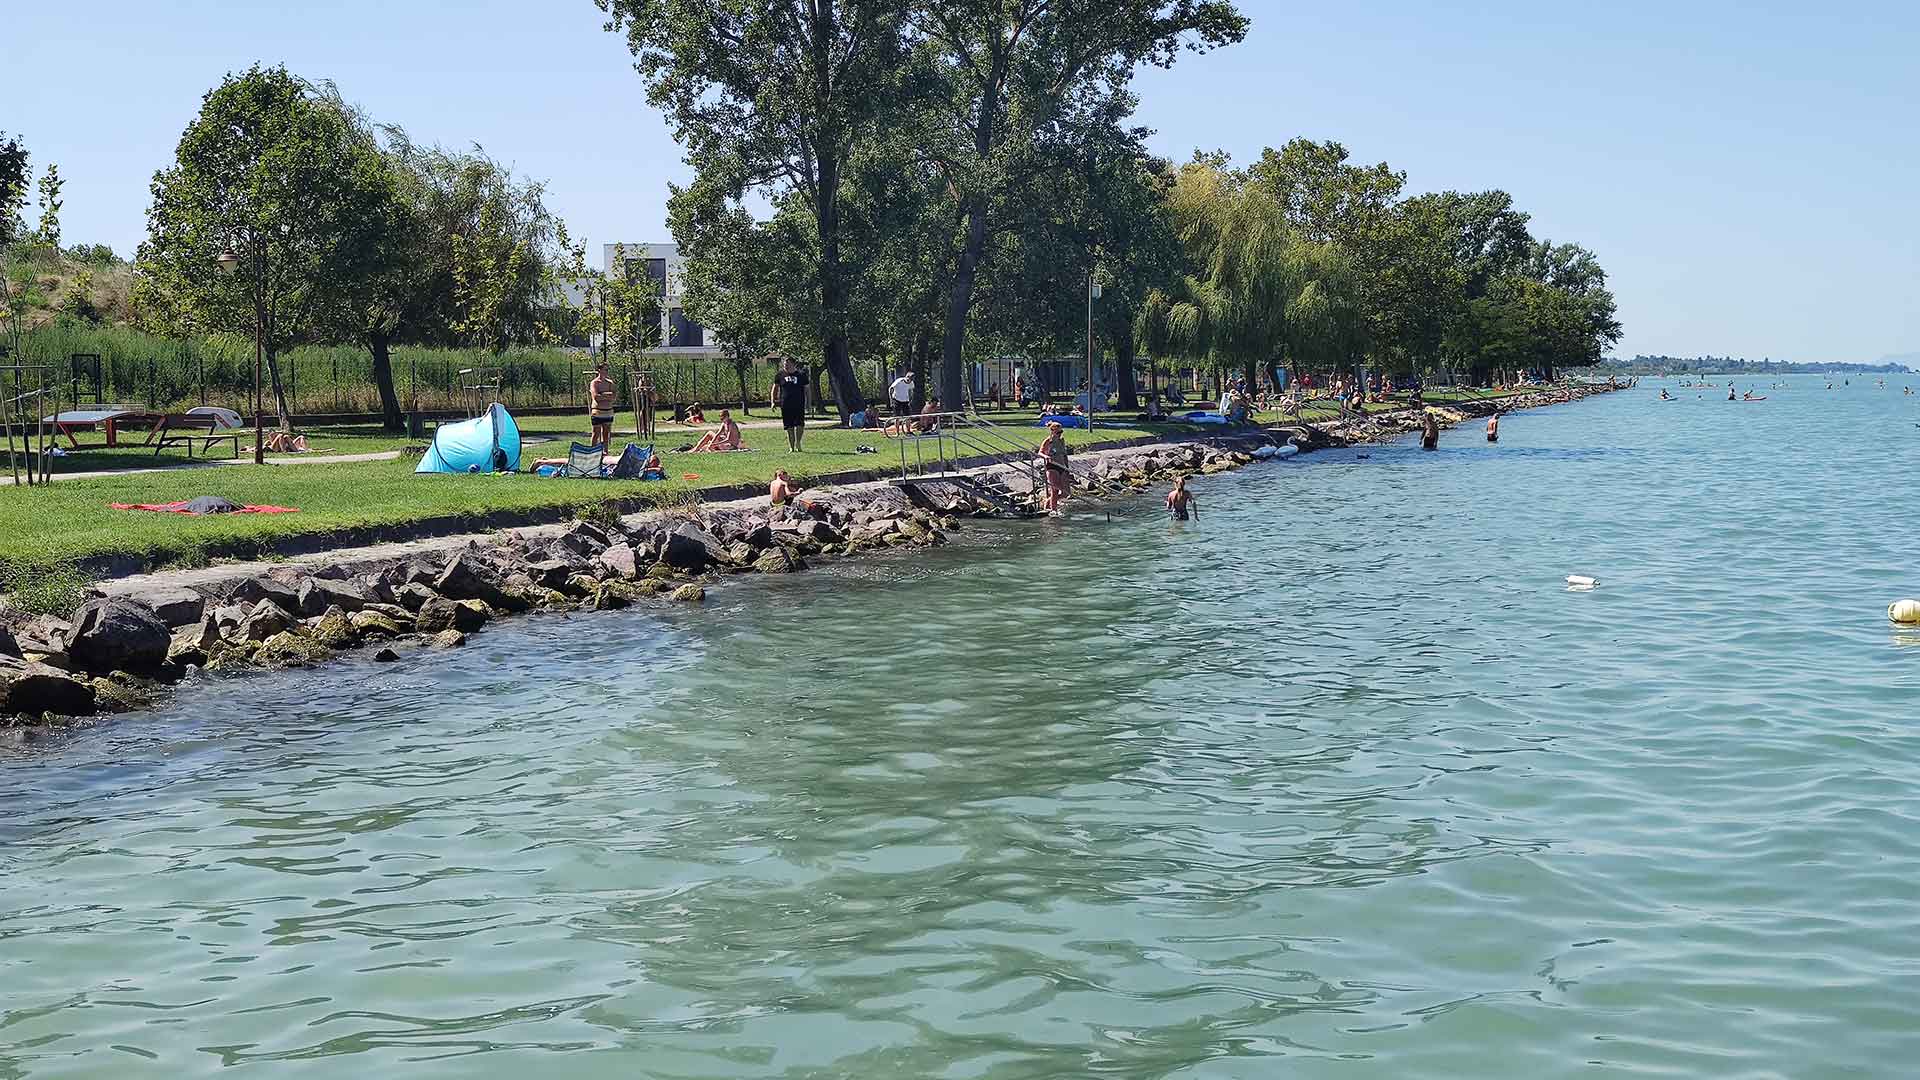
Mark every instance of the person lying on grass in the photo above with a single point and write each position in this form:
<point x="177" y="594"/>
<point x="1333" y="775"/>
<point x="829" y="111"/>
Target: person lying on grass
<point x="724" y="437"/>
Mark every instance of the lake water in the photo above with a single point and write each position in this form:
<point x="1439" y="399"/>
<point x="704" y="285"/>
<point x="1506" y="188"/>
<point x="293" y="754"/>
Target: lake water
<point x="1339" y="781"/>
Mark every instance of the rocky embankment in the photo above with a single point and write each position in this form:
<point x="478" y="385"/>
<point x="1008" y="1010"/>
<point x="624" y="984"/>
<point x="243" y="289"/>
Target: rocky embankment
<point x="122" y="649"/>
<point x="122" y="652"/>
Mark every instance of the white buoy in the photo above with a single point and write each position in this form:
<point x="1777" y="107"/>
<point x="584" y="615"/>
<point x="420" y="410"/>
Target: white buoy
<point x="1581" y="582"/>
<point x="1905" y="612"/>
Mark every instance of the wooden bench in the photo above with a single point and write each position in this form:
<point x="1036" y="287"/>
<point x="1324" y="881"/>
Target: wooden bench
<point x="181" y="429"/>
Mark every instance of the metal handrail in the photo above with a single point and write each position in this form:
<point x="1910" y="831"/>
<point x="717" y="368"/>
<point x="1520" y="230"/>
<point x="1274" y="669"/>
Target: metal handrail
<point x="972" y="432"/>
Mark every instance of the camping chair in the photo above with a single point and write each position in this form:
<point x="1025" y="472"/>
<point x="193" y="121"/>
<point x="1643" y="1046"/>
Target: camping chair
<point x="632" y="464"/>
<point x="586" y="462"/>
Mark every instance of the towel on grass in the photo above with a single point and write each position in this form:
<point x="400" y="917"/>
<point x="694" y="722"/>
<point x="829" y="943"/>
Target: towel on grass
<point x="204" y="504"/>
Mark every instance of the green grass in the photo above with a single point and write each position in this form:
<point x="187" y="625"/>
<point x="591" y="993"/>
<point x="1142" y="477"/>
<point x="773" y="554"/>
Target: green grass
<point x="42" y="527"/>
<point x="71" y="518"/>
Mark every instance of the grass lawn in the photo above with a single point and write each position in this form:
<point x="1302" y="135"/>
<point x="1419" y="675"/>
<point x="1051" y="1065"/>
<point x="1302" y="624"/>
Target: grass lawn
<point x="71" y="519"/>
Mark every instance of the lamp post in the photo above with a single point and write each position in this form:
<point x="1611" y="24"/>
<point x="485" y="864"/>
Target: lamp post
<point x="1093" y="293"/>
<point x="229" y="261"/>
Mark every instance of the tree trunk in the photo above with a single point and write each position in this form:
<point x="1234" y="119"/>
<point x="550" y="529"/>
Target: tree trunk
<point x="918" y="362"/>
<point x="837" y="354"/>
<point x="390" y="417"/>
<point x="740" y="372"/>
<point x="279" y="390"/>
<point x="1123" y="357"/>
<point x="960" y="305"/>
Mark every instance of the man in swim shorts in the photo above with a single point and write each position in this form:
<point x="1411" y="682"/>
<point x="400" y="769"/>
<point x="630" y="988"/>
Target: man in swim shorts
<point x="600" y="405"/>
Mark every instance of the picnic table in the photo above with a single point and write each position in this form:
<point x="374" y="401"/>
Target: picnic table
<point x="107" y="416"/>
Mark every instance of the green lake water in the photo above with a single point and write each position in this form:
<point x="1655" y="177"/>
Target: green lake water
<point x="1339" y="781"/>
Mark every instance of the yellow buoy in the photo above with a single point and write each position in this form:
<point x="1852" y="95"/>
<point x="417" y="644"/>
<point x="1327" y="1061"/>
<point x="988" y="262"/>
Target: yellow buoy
<point x="1904" y="612"/>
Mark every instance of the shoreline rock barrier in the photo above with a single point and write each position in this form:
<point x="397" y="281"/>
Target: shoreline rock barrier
<point x="131" y="641"/>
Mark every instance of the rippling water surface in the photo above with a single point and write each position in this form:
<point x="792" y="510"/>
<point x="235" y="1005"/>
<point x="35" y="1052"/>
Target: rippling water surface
<point x="1339" y="781"/>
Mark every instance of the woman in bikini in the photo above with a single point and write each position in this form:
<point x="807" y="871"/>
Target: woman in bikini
<point x="1180" y="501"/>
<point x="1053" y="457"/>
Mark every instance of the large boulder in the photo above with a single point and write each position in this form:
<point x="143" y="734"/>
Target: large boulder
<point x="687" y="546"/>
<point x="373" y="624"/>
<point x="688" y="594"/>
<point x="316" y="595"/>
<point x="250" y="591"/>
<point x="778" y="560"/>
<point x="413" y="597"/>
<point x="584" y="539"/>
<point x="36" y="688"/>
<point x="192" y="644"/>
<point x="9" y="645"/>
<point x="176" y="607"/>
<point x="333" y="629"/>
<point x="264" y="620"/>
<point x="465" y="578"/>
<point x="114" y="633"/>
<point x="441" y="614"/>
<point x="550" y="573"/>
<point x="621" y="560"/>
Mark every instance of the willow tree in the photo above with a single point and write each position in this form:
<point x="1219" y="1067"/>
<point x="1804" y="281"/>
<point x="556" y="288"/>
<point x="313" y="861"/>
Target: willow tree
<point x="770" y="99"/>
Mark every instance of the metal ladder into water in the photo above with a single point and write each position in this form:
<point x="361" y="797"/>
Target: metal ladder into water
<point x="993" y="453"/>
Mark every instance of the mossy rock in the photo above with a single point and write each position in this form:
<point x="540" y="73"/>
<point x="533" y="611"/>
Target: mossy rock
<point x="335" y="630"/>
<point x="688" y="594"/>
<point x="291" y="649"/>
<point x="373" y="624"/>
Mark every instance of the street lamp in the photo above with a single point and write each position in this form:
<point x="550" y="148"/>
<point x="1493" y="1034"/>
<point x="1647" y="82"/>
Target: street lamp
<point x="1093" y="293"/>
<point x="229" y="261"/>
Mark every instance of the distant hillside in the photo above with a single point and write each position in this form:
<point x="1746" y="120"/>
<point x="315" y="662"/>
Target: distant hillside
<point x="88" y="283"/>
<point x="1908" y="360"/>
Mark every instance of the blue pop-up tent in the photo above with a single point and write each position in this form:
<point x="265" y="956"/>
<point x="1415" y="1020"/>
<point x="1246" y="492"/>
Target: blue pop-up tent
<point x="489" y="442"/>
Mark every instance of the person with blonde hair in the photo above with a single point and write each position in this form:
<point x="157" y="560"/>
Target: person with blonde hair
<point x="1053" y="459"/>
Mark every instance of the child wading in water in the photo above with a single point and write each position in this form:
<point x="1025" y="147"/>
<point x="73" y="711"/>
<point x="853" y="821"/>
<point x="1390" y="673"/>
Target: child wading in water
<point x="1180" y="501"/>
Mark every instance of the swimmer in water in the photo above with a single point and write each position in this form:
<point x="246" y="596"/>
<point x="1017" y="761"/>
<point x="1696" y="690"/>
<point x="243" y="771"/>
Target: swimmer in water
<point x="1180" y="501"/>
<point x="1664" y="396"/>
<point x="1730" y="395"/>
<point x="1430" y="433"/>
<point x="1493" y="428"/>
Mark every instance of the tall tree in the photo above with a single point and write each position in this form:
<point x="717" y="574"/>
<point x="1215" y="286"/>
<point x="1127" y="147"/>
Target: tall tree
<point x="1012" y="82"/>
<point x="272" y="174"/>
<point x="771" y="97"/>
<point x="14" y="161"/>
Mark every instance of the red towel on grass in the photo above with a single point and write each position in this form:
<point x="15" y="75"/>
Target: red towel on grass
<point x="181" y="508"/>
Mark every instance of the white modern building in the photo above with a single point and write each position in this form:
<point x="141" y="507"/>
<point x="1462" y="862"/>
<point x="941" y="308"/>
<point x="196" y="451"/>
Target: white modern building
<point x="680" y="337"/>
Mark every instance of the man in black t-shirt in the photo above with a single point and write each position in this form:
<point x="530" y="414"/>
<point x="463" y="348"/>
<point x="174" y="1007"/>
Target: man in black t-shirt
<point x="792" y="384"/>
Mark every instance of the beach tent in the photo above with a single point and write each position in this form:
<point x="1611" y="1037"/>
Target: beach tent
<point x="489" y="442"/>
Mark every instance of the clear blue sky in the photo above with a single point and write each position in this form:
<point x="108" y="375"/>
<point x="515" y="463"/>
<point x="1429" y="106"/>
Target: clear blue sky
<point x="1748" y="173"/>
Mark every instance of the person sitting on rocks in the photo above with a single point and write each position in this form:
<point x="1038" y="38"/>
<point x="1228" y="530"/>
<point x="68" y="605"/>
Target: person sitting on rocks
<point x="780" y="489"/>
<point x="724" y="437"/>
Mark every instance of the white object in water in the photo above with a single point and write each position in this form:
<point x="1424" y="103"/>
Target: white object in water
<point x="1904" y="612"/>
<point x="1581" y="582"/>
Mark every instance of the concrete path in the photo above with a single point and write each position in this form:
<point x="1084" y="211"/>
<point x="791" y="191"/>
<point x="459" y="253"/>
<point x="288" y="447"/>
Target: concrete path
<point x="245" y="459"/>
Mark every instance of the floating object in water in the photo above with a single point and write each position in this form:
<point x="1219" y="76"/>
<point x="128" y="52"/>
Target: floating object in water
<point x="1275" y="453"/>
<point x="1905" y="612"/>
<point x="1580" y="582"/>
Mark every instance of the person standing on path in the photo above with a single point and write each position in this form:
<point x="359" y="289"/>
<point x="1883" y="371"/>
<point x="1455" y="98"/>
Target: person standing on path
<point x="1053" y="458"/>
<point x="600" y="404"/>
<point x="793" y="402"/>
<point x="900" y="393"/>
